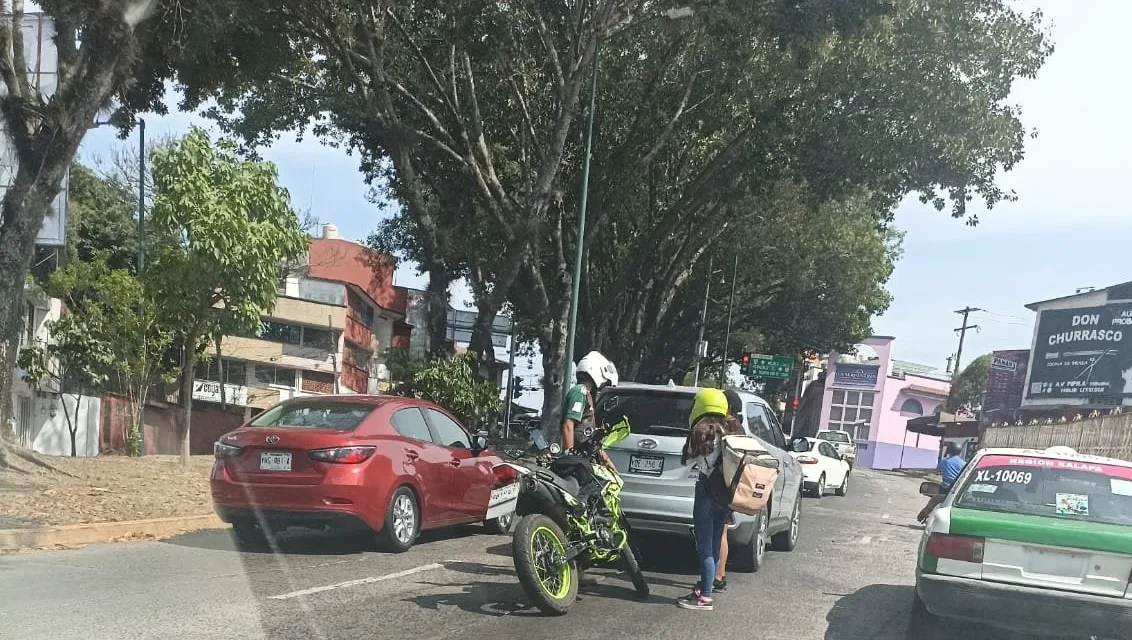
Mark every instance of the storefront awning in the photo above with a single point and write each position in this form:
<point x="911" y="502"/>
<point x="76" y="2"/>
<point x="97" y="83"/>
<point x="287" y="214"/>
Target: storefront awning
<point x="945" y="425"/>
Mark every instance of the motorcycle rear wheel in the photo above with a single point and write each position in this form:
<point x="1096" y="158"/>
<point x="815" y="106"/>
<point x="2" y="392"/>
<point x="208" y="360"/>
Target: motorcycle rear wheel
<point x="553" y="589"/>
<point x="629" y="561"/>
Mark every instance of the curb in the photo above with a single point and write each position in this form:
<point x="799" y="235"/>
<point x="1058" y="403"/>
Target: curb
<point x="80" y="534"/>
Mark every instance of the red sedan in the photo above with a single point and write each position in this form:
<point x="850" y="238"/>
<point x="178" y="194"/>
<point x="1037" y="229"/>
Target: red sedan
<point x="390" y="465"/>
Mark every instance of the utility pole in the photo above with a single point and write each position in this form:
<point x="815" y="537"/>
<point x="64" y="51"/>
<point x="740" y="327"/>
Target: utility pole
<point x="962" y="331"/>
<point x="510" y="382"/>
<point x="141" y="269"/>
<point x="727" y="335"/>
<point x="700" y="351"/>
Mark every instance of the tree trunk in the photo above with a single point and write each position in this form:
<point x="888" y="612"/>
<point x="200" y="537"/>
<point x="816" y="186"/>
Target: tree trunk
<point x="21" y="216"/>
<point x="72" y="425"/>
<point x="436" y="297"/>
<point x="188" y="365"/>
<point x="552" y="343"/>
<point x="480" y="342"/>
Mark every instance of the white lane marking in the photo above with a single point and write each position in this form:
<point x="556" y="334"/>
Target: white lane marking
<point x="866" y="539"/>
<point x="360" y="581"/>
<point x="884" y="516"/>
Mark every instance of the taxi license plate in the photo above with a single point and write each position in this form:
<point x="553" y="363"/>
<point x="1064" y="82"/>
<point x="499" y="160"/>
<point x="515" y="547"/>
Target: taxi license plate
<point x="503" y="501"/>
<point x="646" y="465"/>
<point x="274" y="461"/>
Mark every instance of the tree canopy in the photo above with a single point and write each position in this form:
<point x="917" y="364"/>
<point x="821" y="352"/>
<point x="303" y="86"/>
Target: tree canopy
<point x="968" y="387"/>
<point x="468" y="116"/>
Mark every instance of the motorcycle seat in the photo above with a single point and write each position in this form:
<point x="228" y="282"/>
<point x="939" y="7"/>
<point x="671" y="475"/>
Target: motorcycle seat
<point x="569" y="485"/>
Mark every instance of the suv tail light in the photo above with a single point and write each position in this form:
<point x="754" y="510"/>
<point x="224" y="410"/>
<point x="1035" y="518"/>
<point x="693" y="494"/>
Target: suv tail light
<point x="221" y="450"/>
<point x="965" y="548"/>
<point x="807" y="460"/>
<point x="342" y="455"/>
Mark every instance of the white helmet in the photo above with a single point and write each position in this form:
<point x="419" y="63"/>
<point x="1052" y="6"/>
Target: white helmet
<point x="598" y="368"/>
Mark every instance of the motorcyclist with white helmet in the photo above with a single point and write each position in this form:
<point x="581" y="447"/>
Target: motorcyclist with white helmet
<point x="594" y="371"/>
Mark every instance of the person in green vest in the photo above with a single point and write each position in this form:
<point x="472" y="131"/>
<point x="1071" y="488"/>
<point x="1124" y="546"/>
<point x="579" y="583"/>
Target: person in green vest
<point x="594" y="371"/>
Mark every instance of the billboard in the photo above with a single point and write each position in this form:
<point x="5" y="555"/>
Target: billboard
<point x="1006" y="384"/>
<point x="43" y="65"/>
<point x="856" y="375"/>
<point x="1083" y="353"/>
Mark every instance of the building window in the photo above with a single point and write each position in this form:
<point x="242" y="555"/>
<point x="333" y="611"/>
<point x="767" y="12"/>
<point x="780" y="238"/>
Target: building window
<point x="235" y="372"/>
<point x="912" y="406"/>
<point x="272" y="375"/>
<point x="852" y="411"/>
<point x="280" y="332"/>
<point x="320" y="339"/>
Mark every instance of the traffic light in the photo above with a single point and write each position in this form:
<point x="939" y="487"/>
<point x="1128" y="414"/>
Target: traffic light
<point x="745" y="362"/>
<point x="516" y="388"/>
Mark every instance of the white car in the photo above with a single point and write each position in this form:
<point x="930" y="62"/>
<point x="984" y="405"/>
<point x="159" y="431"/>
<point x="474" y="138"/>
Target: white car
<point x="841" y="442"/>
<point x="822" y="466"/>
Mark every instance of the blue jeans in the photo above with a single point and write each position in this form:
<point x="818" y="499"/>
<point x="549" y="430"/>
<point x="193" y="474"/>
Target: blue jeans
<point x="709" y="520"/>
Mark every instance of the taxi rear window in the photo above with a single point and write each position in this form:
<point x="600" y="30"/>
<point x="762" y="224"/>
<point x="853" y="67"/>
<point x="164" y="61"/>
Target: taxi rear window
<point x="1050" y="487"/>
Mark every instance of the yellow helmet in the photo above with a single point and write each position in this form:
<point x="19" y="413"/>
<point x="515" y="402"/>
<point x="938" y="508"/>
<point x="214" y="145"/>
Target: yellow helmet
<point x="709" y="401"/>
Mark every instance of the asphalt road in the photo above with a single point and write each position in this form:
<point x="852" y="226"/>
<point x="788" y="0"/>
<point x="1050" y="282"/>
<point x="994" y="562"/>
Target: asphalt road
<point x="849" y="579"/>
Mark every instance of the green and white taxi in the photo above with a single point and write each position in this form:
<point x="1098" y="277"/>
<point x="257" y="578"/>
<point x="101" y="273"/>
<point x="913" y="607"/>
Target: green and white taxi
<point x="1038" y="542"/>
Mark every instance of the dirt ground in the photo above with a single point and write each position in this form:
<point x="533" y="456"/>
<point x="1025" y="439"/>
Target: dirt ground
<point x="105" y="489"/>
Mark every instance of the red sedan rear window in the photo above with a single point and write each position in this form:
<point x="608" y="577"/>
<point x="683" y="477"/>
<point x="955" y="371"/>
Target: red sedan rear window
<point x="335" y="416"/>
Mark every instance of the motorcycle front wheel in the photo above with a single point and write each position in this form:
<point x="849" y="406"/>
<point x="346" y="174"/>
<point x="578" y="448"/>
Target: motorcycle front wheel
<point x="551" y="585"/>
<point x="629" y="561"/>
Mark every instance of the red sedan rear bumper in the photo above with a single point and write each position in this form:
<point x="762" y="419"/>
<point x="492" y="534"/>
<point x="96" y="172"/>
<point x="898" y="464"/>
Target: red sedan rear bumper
<point x="340" y="501"/>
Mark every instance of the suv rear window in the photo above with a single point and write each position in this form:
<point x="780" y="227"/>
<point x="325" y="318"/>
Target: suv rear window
<point x="1050" y="487"/>
<point x="334" y="416"/>
<point x="833" y="436"/>
<point x="657" y="414"/>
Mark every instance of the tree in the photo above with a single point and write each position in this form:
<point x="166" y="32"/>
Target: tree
<point x="116" y="313"/>
<point x="100" y="217"/>
<point x="968" y="387"/>
<point x="230" y="228"/>
<point x="468" y="115"/>
<point x="453" y="384"/>
<point x="112" y="52"/>
<point x="74" y="361"/>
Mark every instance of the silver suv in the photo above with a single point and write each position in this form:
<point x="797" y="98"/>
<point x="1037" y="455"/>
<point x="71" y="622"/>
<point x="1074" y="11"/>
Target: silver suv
<point x="659" y="491"/>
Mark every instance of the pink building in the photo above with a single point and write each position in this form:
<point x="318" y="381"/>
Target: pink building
<point x="872" y="396"/>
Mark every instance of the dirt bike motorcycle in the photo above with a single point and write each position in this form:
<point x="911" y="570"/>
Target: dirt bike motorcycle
<point x="570" y="518"/>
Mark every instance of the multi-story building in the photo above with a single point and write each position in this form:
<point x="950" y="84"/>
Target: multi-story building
<point x="337" y="312"/>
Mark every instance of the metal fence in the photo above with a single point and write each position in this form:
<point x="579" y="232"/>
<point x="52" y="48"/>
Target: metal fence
<point x="1109" y="436"/>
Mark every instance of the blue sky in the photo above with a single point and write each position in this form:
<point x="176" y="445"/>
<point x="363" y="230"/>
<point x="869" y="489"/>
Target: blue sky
<point x="1069" y="228"/>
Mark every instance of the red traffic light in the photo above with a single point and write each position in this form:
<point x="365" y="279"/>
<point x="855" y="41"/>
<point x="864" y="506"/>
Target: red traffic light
<point x="746" y="358"/>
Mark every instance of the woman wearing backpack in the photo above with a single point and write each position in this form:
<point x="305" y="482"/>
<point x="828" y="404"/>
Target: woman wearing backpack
<point x="708" y="422"/>
<point x="734" y="427"/>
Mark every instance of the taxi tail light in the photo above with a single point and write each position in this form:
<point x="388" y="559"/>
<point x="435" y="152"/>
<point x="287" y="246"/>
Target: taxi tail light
<point x="807" y="460"/>
<point x="343" y="455"/>
<point x="964" y="548"/>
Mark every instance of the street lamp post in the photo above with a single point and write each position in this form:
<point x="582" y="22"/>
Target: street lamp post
<point x="141" y="261"/>
<point x="571" y="329"/>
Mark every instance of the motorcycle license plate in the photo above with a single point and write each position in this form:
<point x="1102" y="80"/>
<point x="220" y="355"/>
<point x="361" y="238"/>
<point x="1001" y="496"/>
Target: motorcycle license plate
<point x="503" y="501"/>
<point x="646" y="465"/>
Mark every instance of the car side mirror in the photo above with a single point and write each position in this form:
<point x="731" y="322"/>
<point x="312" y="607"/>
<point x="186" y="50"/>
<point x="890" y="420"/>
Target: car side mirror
<point x="929" y="489"/>
<point x="479" y="442"/>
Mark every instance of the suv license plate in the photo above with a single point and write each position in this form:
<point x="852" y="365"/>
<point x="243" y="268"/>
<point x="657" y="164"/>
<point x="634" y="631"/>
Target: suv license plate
<point x="646" y="465"/>
<point x="274" y="461"/>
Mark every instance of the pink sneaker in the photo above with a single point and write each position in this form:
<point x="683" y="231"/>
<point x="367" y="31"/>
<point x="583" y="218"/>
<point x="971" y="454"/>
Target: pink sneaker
<point x="696" y="601"/>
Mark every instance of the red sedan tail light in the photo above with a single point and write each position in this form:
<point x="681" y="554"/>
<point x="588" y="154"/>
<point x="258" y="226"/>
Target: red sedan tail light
<point x="505" y="474"/>
<point x="807" y="460"/>
<point x="965" y="548"/>
<point x="342" y="455"/>
<point x="221" y="450"/>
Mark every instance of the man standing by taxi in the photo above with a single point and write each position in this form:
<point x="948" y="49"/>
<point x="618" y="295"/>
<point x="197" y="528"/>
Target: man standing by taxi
<point x="950" y="467"/>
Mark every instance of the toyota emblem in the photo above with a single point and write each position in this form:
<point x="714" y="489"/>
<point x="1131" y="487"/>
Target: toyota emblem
<point x="647" y="443"/>
<point x="271" y="439"/>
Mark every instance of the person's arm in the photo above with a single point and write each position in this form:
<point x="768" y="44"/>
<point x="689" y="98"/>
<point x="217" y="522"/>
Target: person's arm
<point x="567" y="434"/>
<point x="607" y="461"/>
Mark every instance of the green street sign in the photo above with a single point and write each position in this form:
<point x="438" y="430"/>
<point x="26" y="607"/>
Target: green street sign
<point x="778" y="367"/>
